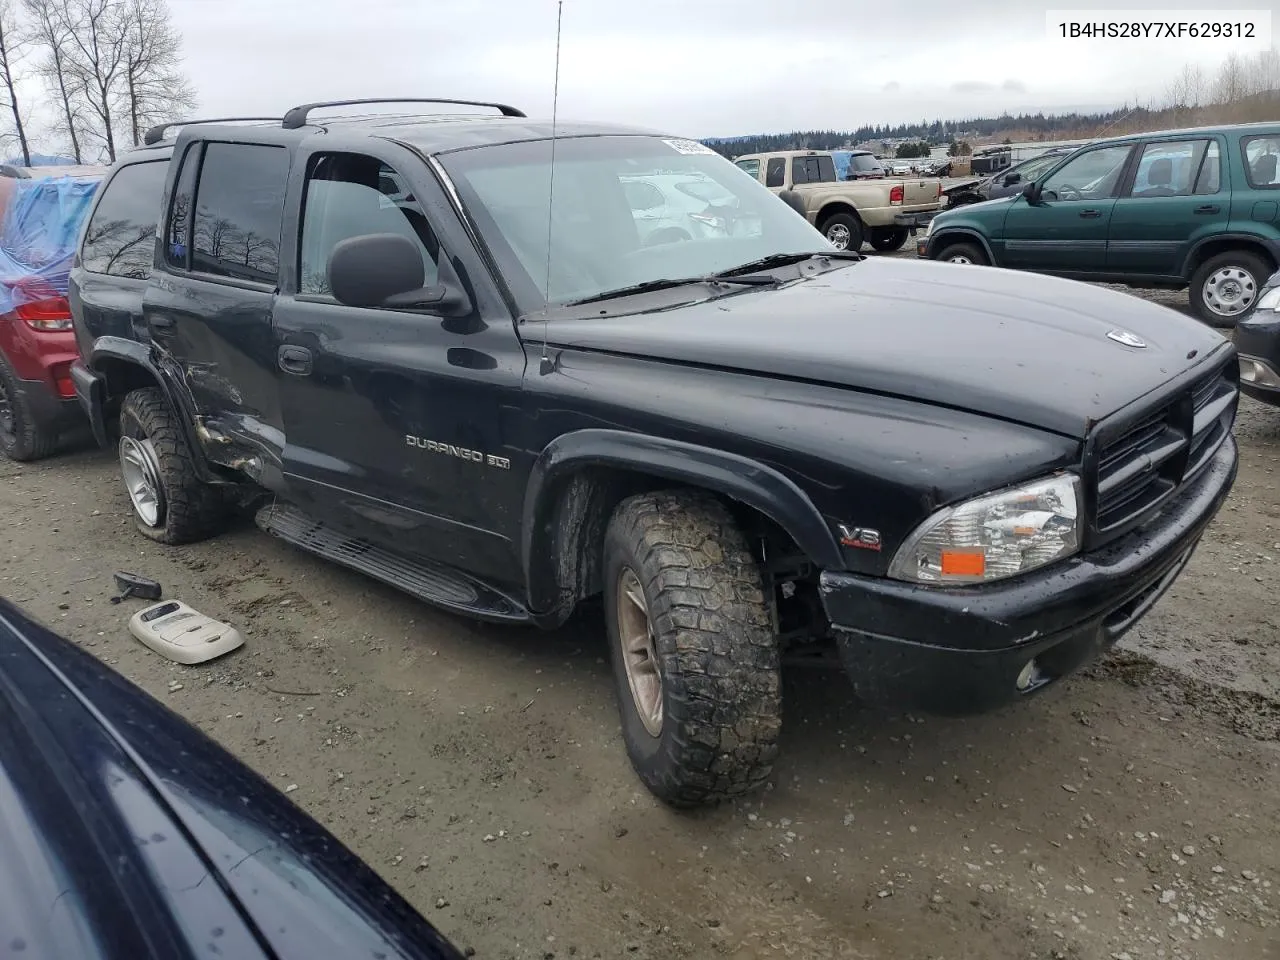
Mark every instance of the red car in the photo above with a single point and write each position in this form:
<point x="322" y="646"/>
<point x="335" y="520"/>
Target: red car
<point x="41" y="212"/>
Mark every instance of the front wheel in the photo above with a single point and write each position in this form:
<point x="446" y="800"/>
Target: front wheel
<point x="170" y="502"/>
<point x="888" y="239"/>
<point x="962" y="253"/>
<point x="1224" y="287"/>
<point x="843" y="231"/>
<point x="695" y="659"/>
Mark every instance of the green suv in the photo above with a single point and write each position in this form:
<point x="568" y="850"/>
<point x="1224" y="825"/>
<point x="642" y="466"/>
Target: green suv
<point x="1184" y="208"/>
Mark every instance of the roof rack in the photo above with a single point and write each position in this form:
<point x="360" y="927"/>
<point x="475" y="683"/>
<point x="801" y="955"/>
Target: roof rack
<point x="297" y="117"/>
<point x="156" y="133"/>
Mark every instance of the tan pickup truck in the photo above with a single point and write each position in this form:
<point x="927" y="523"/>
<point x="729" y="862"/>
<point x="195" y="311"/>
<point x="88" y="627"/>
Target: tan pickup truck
<point x="848" y="212"/>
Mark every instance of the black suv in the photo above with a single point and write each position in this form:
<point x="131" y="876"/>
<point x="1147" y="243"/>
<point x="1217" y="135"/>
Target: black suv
<point x="443" y="352"/>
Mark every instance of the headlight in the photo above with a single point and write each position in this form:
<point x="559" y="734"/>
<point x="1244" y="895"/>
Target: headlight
<point x="1270" y="300"/>
<point x="995" y="536"/>
<point x="928" y="227"/>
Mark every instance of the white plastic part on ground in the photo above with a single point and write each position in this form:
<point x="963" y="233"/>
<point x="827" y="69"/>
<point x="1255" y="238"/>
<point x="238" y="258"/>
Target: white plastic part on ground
<point x="174" y="630"/>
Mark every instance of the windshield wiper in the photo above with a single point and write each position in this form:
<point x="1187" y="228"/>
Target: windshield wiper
<point x="782" y="260"/>
<point x="667" y="284"/>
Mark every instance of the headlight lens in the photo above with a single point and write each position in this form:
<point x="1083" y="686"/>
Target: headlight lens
<point x="928" y="227"/>
<point x="995" y="536"/>
<point x="1270" y="300"/>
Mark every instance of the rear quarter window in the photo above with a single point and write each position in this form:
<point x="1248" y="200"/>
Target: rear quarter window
<point x="1260" y="161"/>
<point x="120" y="238"/>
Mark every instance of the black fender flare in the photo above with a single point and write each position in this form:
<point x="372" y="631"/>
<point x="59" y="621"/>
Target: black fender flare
<point x="107" y="350"/>
<point x="1271" y="247"/>
<point x="758" y="486"/>
<point x="968" y="234"/>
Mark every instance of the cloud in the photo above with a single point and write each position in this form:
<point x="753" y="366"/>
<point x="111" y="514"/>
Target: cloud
<point x="1013" y="86"/>
<point x="972" y="86"/>
<point x="893" y="86"/>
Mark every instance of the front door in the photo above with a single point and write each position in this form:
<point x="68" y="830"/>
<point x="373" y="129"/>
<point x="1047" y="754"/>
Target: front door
<point x="393" y="418"/>
<point x="1173" y="198"/>
<point x="1066" y="230"/>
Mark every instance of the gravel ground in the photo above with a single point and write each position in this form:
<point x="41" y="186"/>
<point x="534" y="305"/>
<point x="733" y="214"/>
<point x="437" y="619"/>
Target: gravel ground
<point x="1129" y="814"/>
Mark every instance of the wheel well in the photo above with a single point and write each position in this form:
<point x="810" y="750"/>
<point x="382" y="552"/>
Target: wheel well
<point x="586" y="499"/>
<point x="121" y="376"/>
<point x="1212" y="248"/>
<point x="953" y="237"/>
<point x="831" y="209"/>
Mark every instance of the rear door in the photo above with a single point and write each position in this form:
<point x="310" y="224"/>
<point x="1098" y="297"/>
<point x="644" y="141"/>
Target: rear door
<point x="1066" y="232"/>
<point x="1173" y="196"/>
<point x="116" y="253"/>
<point x="210" y="318"/>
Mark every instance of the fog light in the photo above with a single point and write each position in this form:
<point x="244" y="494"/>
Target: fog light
<point x="1258" y="372"/>
<point x="1030" y="676"/>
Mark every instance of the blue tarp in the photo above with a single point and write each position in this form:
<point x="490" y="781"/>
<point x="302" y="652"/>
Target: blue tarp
<point x="38" y="234"/>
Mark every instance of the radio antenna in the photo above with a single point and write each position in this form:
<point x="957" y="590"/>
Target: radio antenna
<point x="545" y="365"/>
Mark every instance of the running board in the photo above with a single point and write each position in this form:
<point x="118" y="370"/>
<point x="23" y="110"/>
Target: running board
<point x="433" y="583"/>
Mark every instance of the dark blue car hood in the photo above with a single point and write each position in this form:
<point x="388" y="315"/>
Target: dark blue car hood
<point x="127" y="834"/>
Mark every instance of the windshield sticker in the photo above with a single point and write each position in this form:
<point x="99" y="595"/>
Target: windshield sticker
<point x="688" y="146"/>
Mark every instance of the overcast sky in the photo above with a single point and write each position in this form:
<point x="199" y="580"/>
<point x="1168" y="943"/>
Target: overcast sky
<point x="695" y="67"/>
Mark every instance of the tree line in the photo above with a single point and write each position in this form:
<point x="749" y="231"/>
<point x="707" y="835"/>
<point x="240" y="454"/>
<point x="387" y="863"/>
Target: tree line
<point x="1242" y="90"/>
<point x="110" y="69"/>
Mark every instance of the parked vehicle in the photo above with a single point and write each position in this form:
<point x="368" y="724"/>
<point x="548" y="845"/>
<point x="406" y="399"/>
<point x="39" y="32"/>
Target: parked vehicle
<point x="1193" y="209"/>
<point x="747" y="446"/>
<point x="860" y="165"/>
<point x="1257" y="338"/>
<point x="114" y="812"/>
<point x="40" y="217"/>
<point x="847" y="214"/>
<point x="991" y="160"/>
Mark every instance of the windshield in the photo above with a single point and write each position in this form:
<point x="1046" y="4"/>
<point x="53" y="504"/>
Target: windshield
<point x="627" y="210"/>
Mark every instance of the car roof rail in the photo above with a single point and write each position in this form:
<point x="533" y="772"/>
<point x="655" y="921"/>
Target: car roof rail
<point x="297" y="117"/>
<point x="157" y="133"/>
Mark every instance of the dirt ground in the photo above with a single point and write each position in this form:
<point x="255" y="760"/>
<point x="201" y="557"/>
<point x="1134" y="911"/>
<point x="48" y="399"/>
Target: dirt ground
<point x="1130" y="814"/>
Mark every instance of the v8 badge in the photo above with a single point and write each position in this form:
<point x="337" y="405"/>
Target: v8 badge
<point x="863" y="538"/>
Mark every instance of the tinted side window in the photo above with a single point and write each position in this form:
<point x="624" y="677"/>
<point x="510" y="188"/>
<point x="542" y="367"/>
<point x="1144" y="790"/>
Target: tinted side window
<point x="344" y="200"/>
<point x="750" y="166"/>
<point x="1260" y="161"/>
<point x="120" y="239"/>
<point x="178" y="240"/>
<point x="239" y="206"/>
<point x="775" y="174"/>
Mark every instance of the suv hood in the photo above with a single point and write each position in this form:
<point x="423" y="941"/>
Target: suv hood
<point x="1022" y="347"/>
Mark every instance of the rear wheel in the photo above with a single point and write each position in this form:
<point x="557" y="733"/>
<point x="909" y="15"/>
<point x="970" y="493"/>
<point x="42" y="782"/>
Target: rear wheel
<point x="695" y="659"/>
<point x="170" y="502"/>
<point x="962" y="253"/>
<point x="888" y="239"/>
<point x="844" y="231"/>
<point x="1224" y="287"/>
<point x="21" y="438"/>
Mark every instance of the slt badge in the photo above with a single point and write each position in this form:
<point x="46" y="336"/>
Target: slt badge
<point x="1126" y="338"/>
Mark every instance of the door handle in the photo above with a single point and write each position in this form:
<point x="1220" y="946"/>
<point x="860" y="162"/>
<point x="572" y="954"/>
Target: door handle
<point x="295" y="360"/>
<point x="1090" y="214"/>
<point x="1208" y="208"/>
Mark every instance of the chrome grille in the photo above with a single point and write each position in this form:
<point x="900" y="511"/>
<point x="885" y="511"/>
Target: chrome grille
<point x="1146" y="462"/>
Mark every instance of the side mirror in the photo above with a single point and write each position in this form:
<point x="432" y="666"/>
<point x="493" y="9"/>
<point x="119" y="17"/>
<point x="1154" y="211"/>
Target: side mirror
<point x="1012" y="178"/>
<point x="386" y="270"/>
<point x="1032" y="193"/>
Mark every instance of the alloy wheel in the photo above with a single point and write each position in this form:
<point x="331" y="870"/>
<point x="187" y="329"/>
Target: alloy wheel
<point x="140" y="468"/>
<point x="639" y="651"/>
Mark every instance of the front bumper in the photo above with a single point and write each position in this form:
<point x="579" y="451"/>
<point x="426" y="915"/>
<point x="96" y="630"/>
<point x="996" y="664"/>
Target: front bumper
<point x="963" y="650"/>
<point x="1258" y="346"/>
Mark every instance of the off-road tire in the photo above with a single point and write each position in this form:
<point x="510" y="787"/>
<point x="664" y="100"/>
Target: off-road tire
<point x="192" y="510"/>
<point x="888" y="239"/>
<point x="1251" y="262"/>
<point x="29" y="441"/>
<point x="850" y="223"/>
<point x="971" y="251"/>
<point x="717" y="654"/>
